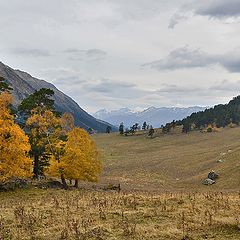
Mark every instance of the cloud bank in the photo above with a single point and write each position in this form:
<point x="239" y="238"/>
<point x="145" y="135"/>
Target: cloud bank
<point x="186" y="58"/>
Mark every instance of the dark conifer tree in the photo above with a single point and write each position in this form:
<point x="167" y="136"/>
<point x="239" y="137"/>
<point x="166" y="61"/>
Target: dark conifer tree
<point x="121" y="128"/>
<point x="144" y="126"/>
<point x="108" y="129"/>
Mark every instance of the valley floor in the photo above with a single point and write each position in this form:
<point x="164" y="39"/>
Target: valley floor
<point x="172" y="162"/>
<point x="162" y="196"/>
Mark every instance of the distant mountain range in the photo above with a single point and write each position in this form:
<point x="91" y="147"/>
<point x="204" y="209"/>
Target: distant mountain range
<point x="24" y="84"/>
<point x="153" y="116"/>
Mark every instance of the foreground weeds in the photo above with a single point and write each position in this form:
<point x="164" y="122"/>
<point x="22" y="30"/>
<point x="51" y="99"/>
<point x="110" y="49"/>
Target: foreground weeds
<point x="79" y="214"/>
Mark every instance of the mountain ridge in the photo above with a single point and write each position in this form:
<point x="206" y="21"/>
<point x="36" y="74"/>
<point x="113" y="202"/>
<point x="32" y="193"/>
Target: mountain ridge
<point x="24" y="84"/>
<point x="155" y="116"/>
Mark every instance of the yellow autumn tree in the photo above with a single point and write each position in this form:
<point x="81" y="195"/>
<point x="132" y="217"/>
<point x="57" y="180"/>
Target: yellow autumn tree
<point x="14" y="145"/>
<point x="45" y="129"/>
<point x="78" y="158"/>
<point x="67" y="123"/>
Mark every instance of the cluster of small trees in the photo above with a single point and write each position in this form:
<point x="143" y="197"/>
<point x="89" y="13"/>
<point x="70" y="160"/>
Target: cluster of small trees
<point x="132" y="129"/>
<point x="135" y="127"/>
<point x="39" y="140"/>
<point x="167" y="128"/>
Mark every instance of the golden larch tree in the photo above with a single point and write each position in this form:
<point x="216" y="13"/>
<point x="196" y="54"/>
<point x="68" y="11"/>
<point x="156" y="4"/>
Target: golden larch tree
<point x="14" y="144"/>
<point x="79" y="158"/>
<point x="67" y="123"/>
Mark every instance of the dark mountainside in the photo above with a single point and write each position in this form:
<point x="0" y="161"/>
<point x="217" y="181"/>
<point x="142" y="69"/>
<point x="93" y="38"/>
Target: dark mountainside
<point x="221" y="115"/>
<point x="24" y="84"/>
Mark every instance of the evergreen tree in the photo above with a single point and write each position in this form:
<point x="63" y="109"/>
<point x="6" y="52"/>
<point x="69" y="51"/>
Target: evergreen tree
<point x="151" y="131"/>
<point x="4" y="85"/>
<point x="38" y="117"/>
<point x="108" y="129"/>
<point x="42" y="125"/>
<point x="121" y="128"/>
<point x="41" y="98"/>
<point x="186" y="127"/>
<point x="144" y="126"/>
<point x="173" y="124"/>
<point x="166" y="128"/>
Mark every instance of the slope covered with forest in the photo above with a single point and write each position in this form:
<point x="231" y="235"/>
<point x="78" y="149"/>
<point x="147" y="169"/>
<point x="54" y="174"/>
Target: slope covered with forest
<point x="221" y="115"/>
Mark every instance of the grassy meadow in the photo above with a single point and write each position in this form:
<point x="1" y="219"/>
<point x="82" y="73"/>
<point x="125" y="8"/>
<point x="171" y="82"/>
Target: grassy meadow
<point x="162" y="196"/>
<point x="172" y="162"/>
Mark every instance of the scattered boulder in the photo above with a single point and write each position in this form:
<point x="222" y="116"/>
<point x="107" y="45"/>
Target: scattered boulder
<point x="212" y="175"/>
<point x="220" y="161"/>
<point x="208" y="181"/>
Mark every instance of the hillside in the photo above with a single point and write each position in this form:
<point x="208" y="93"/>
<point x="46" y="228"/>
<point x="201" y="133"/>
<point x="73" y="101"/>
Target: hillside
<point x="153" y="115"/>
<point x="24" y="84"/>
<point x="172" y="162"/>
<point x="221" y="115"/>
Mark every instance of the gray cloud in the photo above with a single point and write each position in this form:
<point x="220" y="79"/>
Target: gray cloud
<point x="176" y="18"/>
<point x="31" y="52"/>
<point x="86" y="55"/>
<point x="173" y="88"/>
<point x="95" y="43"/>
<point x="115" y="89"/>
<point x="139" y="9"/>
<point x="231" y="61"/>
<point x="183" y="58"/>
<point x="216" y="9"/>
<point x="226" y="86"/>
<point x="108" y="86"/>
<point x="219" y="9"/>
<point x="70" y="80"/>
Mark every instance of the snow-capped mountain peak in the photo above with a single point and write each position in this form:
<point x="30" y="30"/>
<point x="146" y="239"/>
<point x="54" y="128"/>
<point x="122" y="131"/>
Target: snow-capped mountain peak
<point x="152" y="115"/>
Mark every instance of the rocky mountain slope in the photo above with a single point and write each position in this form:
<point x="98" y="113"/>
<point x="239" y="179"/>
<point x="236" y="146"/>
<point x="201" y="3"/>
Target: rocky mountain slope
<point x="24" y="84"/>
<point x="154" y="116"/>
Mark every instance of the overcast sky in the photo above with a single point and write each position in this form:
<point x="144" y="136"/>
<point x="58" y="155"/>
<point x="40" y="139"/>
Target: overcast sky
<point x="127" y="53"/>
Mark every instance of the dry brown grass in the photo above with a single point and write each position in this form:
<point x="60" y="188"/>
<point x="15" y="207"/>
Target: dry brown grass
<point x="79" y="214"/>
<point x="172" y="162"/>
<point x="162" y="196"/>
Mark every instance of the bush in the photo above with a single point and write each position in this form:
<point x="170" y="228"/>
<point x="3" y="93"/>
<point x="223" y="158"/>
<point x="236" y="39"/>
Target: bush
<point x="209" y="129"/>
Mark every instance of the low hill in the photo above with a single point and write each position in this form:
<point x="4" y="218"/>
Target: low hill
<point x="24" y="84"/>
<point x="172" y="161"/>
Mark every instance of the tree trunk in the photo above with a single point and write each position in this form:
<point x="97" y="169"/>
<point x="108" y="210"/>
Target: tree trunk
<point x="65" y="186"/>
<point x="36" y="167"/>
<point x="76" y="183"/>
